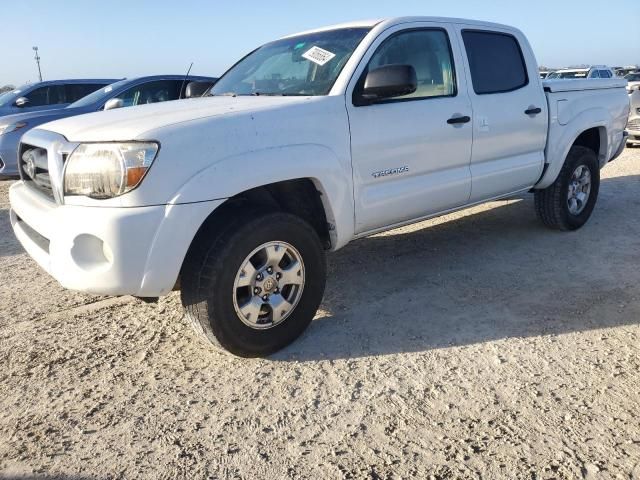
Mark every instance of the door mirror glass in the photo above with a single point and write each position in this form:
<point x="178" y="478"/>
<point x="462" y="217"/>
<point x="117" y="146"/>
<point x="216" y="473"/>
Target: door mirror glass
<point x="113" y="103"/>
<point x="387" y="82"/>
<point x="22" y="102"/>
<point x="197" y="89"/>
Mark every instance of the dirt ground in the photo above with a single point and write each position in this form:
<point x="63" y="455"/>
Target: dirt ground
<point x="477" y="345"/>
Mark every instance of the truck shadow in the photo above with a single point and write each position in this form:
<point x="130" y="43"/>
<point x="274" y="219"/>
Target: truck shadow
<point x="490" y="274"/>
<point x="50" y="477"/>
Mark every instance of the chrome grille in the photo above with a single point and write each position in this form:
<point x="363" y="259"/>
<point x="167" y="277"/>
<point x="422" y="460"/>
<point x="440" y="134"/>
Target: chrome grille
<point x="635" y="124"/>
<point x="33" y="166"/>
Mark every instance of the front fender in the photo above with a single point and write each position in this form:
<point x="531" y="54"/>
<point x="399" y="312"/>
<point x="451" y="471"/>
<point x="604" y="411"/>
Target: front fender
<point x="235" y="174"/>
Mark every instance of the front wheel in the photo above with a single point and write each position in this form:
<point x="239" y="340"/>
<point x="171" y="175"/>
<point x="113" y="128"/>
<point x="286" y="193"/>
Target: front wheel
<point x="253" y="284"/>
<point x="568" y="202"/>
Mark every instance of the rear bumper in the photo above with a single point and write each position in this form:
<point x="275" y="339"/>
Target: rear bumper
<point x="107" y="251"/>
<point x="623" y="143"/>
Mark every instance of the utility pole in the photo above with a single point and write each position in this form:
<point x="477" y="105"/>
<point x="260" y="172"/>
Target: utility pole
<point x="37" y="57"/>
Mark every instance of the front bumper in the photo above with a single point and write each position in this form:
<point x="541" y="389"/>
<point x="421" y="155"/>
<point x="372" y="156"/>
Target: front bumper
<point x="8" y="160"/>
<point x="103" y="250"/>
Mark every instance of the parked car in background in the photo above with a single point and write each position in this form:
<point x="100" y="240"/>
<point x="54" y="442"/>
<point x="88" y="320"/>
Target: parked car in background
<point x="633" y="125"/>
<point x="633" y="81"/>
<point x="623" y="71"/>
<point x="596" y="71"/>
<point x="307" y="143"/>
<point x="48" y="95"/>
<point x="125" y="93"/>
<point x="545" y="73"/>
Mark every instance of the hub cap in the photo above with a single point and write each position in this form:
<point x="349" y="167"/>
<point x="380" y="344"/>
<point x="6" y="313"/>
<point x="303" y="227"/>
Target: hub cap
<point x="268" y="285"/>
<point x="579" y="190"/>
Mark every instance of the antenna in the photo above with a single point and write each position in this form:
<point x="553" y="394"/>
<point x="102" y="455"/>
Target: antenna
<point x="37" y="59"/>
<point x="183" y="81"/>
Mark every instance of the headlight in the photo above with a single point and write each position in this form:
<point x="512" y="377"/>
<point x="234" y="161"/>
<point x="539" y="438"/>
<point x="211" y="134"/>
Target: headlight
<point x="11" y="127"/>
<point x="106" y="170"/>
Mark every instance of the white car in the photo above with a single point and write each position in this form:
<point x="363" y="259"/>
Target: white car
<point x="633" y="126"/>
<point x="596" y="71"/>
<point x="306" y="144"/>
<point x="633" y="82"/>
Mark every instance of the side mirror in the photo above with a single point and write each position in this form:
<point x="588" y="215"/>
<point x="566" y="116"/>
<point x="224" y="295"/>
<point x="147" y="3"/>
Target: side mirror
<point x="387" y="82"/>
<point x="21" y="102"/>
<point x="197" y="89"/>
<point x="114" y="103"/>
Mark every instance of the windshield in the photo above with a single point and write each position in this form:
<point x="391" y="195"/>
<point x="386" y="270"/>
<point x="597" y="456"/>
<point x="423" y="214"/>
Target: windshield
<point x="632" y="77"/>
<point x="8" y="97"/>
<point x="5" y="97"/>
<point x="571" y="74"/>
<point x="302" y="65"/>
<point x="98" y="95"/>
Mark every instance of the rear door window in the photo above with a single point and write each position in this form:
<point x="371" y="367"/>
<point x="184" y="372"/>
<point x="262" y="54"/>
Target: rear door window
<point x="495" y="61"/>
<point x="594" y="74"/>
<point x="605" y="74"/>
<point x="76" y="91"/>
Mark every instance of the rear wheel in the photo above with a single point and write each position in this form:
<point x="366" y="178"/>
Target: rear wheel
<point x="252" y="284"/>
<point x="568" y="202"/>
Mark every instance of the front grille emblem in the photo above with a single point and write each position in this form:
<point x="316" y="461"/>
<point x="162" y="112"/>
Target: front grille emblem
<point x="29" y="160"/>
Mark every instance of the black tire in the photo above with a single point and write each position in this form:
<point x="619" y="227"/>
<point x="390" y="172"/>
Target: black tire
<point x="210" y="268"/>
<point x="551" y="203"/>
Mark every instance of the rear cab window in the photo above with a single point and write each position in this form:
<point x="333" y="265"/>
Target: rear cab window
<point x="495" y="60"/>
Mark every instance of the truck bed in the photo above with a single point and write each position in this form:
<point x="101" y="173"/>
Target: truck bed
<point x="580" y="84"/>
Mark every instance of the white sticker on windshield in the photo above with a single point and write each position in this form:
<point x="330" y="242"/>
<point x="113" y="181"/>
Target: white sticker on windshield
<point x="318" y="55"/>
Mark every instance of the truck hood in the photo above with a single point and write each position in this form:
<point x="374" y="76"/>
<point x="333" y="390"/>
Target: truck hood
<point x="131" y="123"/>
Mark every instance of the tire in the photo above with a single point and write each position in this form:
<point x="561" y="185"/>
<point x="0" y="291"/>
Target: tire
<point x="554" y="207"/>
<point x="217" y="259"/>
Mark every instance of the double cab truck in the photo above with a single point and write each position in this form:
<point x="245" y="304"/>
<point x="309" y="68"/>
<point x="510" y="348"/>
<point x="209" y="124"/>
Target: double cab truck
<point x="305" y="144"/>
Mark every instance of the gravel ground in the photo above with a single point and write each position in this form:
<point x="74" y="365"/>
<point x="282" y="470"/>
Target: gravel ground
<point x="476" y="345"/>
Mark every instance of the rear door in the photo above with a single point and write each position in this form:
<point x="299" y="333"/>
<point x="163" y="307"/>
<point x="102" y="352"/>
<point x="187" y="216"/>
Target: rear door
<point x="409" y="159"/>
<point x="509" y="112"/>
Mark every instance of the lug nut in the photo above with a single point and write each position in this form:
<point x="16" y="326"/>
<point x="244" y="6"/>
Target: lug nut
<point x="265" y="297"/>
<point x="277" y="290"/>
<point x="259" y="276"/>
<point x="269" y="270"/>
<point x="278" y="276"/>
<point x="257" y="290"/>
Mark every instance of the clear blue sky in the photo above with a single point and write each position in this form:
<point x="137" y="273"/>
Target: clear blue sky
<point x="119" y="38"/>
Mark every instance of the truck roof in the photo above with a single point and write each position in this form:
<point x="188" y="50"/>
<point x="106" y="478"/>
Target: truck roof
<point x="388" y="22"/>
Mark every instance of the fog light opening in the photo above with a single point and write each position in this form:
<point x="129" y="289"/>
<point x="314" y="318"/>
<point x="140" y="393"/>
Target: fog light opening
<point x="91" y="253"/>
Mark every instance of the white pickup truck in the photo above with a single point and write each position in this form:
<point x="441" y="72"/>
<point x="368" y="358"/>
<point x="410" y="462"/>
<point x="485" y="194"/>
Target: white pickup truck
<point x="304" y="145"/>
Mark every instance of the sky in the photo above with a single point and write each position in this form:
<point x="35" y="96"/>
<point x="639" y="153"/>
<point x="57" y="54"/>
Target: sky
<point x="120" y="38"/>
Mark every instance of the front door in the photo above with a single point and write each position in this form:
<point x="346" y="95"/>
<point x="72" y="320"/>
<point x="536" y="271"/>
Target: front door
<point x="411" y="153"/>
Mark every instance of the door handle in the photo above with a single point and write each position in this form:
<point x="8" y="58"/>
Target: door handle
<point x="533" y="111"/>
<point x="456" y="120"/>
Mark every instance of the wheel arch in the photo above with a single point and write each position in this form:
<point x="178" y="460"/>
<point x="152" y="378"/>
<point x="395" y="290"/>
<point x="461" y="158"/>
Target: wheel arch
<point x="593" y="136"/>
